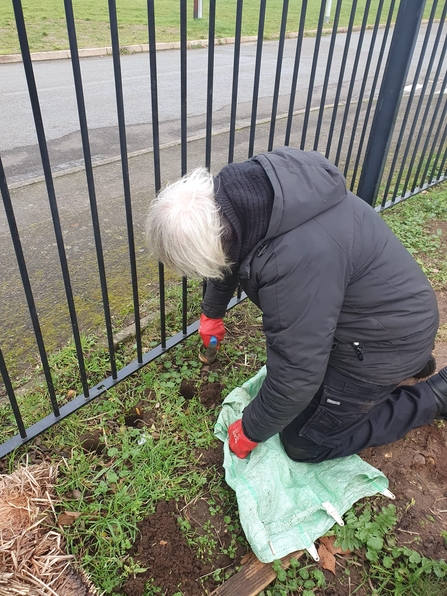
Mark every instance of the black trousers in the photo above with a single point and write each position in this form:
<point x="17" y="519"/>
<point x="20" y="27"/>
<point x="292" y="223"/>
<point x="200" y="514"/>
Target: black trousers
<point x="346" y="416"/>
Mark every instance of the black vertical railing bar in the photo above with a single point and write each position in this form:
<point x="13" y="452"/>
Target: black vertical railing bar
<point x="154" y="92"/>
<point x="184" y="304"/>
<point x="156" y="146"/>
<point x="15" y="237"/>
<point x="12" y="398"/>
<point x="184" y="131"/>
<point x="183" y="88"/>
<point x="395" y="74"/>
<point x="71" y="29"/>
<point x="441" y="144"/>
<point x="372" y="46"/>
<point x="443" y="165"/>
<point x="234" y="92"/>
<point x="210" y="82"/>
<point x="353" y="77"/>
<point x="32" y="90"/>
<point x="327" y="73"/>
<point x="282" y="36"/>
<point x="419" y="105"/>
<point x="341" y="77"/>
<point x="312" y="74"/>
<point x="372" y="93"/>
<point x="441" y="126"/>
<point x="403" y="127"/>
<point x="296" y="69"/>
<point x="161" y="279"/>
<point x="125" y="170"/>
<point x="428" y="136"/>
<point x="257" y="77"/>
<point x="425" y="116"/>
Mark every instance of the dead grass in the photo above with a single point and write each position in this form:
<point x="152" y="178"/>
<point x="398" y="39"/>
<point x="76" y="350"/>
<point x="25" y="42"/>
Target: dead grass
<point x="32" y="557"/>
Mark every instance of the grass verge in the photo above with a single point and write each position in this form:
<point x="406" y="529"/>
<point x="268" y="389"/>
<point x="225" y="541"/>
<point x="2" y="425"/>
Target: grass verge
<point x="47" y="30"/>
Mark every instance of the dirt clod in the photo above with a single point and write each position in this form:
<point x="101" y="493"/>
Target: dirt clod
<point x="187" y="389"/>
<point x="210" y="395"/>
<point x="419" y="459"/>
<point x="93" y="442"/>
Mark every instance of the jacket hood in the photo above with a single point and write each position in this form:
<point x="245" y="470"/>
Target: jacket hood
<point x="305" y="184"/>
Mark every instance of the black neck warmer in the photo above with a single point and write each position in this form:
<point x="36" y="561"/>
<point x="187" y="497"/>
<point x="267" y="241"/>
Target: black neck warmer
<point x="245" y="197"/>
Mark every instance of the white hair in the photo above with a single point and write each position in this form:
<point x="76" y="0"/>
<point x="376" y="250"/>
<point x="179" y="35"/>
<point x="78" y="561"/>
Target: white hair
<point x="184" y="228"/>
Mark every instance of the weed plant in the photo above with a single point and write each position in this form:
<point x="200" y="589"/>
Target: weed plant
<point x="368" y="531"/>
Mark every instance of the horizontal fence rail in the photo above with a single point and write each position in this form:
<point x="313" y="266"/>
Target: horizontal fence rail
<point x="87" y="142"/>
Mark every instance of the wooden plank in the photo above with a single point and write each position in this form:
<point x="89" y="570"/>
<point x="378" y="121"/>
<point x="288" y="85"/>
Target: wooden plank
<point x="253" y="577"/>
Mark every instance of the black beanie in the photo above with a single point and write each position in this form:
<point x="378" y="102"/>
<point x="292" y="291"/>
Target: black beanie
<point x="245" y="196"/>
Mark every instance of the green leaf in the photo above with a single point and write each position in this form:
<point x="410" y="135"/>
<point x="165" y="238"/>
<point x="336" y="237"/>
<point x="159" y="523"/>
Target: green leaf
<point x="281" y="575"/>
<point x="318" y="576"/>
<point x="372" y="555"/>
<point x="438" y="571"/>
<point x="112" y="477"/>
<point x="415" y="557"/>
<point x="375" y="542"/>
<point x="304" y="573"/>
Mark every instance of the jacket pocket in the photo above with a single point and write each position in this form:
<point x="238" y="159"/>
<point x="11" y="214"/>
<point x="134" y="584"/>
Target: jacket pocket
<point x="338" y="414"/>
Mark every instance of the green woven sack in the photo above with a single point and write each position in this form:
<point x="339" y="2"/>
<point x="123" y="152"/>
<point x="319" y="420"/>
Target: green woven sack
<point x="284" y="505"/>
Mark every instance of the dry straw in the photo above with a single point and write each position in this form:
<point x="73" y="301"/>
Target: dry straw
<point x="32" y="557"/>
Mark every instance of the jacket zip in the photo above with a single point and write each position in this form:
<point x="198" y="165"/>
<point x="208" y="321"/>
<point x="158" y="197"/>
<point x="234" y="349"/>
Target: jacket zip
<point x="359" y="349"/>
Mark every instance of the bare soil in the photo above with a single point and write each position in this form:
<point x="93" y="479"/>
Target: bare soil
<point x="416" y="467"/>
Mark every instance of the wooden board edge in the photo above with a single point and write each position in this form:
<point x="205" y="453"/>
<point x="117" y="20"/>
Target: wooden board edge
<point x="253" y="577"/>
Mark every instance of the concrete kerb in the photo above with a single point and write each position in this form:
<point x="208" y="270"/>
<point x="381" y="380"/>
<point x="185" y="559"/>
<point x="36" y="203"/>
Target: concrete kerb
<point x="174" y="45"/>
<point x="107" y="51"/>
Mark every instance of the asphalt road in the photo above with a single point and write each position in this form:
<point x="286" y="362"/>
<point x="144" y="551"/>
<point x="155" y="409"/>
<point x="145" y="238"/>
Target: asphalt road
<point x="18" y="142"/>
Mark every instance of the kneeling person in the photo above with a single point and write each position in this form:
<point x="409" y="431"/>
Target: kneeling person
<point x="347" y="312"/>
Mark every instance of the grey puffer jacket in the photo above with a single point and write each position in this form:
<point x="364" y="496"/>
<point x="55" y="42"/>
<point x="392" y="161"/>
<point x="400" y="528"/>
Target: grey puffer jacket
<point x="335" y="286"/>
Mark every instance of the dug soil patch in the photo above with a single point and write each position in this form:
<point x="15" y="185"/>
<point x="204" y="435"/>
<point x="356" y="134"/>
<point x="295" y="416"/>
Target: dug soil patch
<point x="184" y="561"/>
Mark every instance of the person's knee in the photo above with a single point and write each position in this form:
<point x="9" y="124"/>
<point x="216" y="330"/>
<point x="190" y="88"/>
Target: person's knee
<point x="305" y="452"/>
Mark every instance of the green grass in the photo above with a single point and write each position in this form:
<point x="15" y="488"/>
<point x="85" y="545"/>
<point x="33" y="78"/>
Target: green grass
<point x="419" y="222"/>
<point x="46" y="27"/>
<point x="115" y="488"/>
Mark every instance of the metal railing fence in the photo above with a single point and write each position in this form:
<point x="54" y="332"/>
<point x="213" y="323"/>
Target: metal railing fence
<point x="371" y="97"/>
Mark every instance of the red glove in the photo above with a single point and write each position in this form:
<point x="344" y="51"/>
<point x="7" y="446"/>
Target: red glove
<point x="240" y="444"/>
<point x="209" y="328"/>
